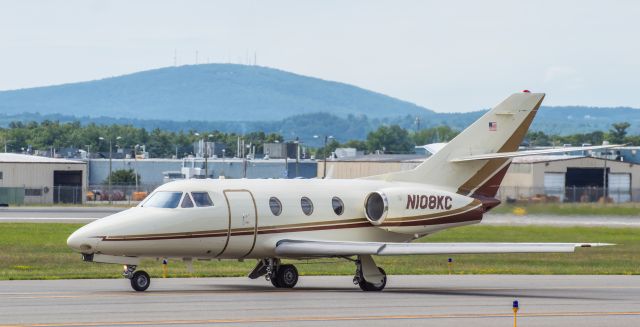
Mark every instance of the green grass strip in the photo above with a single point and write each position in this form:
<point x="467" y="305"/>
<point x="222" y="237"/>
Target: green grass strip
<point x="39" y="251"/>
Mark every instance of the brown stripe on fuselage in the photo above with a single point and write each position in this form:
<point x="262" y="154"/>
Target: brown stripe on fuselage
<point x="493" y="165"/>
<point x="469" y="212"/>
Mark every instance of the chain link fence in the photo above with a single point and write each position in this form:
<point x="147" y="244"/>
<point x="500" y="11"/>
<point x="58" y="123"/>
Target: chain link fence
<point x="94" y="194"/>
<point x="569" y="194"/>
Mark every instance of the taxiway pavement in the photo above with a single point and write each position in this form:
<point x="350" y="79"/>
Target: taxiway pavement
<point x="457" y="300"/>
<point x="56" y="214"/>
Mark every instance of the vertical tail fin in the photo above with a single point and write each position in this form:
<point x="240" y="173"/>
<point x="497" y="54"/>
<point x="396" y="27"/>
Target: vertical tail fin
<point x="501" y="129"/>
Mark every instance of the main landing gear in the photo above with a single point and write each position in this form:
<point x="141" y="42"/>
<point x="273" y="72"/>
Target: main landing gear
<point x="281" y="276"/>
<point x="369" y="277"/>
<point x="140" y="280"/>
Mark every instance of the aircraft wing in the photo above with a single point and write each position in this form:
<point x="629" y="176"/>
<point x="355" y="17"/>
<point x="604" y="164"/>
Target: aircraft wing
<point x="532" y="152"/>
<point x="299" y="248"/>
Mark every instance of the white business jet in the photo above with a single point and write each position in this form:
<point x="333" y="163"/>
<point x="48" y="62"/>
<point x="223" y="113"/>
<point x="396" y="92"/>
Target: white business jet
<point x="355" y="219"/>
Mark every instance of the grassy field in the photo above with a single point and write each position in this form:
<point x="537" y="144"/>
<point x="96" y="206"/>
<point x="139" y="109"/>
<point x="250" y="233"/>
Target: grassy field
<point x="39" y="251"/>
<point x="575" y="209"/>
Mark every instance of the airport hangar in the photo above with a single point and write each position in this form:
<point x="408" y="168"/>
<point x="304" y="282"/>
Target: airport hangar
<point x="33" y="179"/>
<point x="548" y="178"/>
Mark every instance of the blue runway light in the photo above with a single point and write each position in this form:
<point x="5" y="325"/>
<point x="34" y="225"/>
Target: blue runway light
<point x="450" y="260"/>
<point x="515" y="304"/>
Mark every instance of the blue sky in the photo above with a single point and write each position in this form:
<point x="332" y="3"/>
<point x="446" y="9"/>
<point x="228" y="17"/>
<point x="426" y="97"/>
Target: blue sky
<point x="444" y="55"/>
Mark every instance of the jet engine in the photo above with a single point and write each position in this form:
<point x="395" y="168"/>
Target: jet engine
<point x="395" y="206"/>
<point x="376" y="207"/>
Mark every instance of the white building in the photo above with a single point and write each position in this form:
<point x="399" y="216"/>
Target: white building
<point x="34" y="179"/>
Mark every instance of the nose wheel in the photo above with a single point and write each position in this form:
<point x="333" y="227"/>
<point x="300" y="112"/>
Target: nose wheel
<point x="140" y="280"/>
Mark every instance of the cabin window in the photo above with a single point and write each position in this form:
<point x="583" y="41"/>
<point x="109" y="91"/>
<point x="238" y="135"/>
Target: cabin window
<point x="338" y="205"/>
<point x="163" y="200"/>
<point x="186" y="201"/>
<point x="202" y="199"/>
<point x="307" y="206"/>
<point x="275" y="206"/>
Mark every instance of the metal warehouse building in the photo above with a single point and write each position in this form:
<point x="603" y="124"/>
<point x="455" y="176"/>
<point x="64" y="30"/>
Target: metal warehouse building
<point x="34" y="179"/>
<point x="571" y="179"/>
<point x="369" y="165"/>
<point x="554" y="178"/>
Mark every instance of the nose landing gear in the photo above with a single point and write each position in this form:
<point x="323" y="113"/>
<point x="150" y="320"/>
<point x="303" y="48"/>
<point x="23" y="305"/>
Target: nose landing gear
<point x="140" y="280"/>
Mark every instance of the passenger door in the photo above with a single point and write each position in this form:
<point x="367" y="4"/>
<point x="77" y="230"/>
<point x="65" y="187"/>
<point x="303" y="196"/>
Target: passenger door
<point x="243" y="223"/>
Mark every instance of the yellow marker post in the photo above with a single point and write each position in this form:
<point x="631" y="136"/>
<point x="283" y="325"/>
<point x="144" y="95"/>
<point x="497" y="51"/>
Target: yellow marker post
<point x="519" y="211"/>
<point x="165" y="269"/>
<point x="515" y="313"/>
<point x="450" y="265"/>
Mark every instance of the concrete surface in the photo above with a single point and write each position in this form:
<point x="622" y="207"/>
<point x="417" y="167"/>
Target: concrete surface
<point x="56" y="214"/>
<point x="457" y="300"/>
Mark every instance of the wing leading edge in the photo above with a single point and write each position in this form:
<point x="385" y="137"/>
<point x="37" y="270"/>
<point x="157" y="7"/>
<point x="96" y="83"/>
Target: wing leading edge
<point x="298" y="248"/>
<point x="499" y="155"/>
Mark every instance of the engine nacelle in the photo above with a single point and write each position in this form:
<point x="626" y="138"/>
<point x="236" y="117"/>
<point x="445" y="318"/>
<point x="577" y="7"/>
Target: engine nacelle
<point x="376" y="207"/>
<point x="412" y="209"/>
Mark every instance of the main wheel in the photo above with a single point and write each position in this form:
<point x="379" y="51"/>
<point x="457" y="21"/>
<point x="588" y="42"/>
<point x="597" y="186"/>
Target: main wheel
<point x="286" y="277"/>
<point x="373" y="287"/>
<point x="140" y="281"/>
<point x="274" y="282"/>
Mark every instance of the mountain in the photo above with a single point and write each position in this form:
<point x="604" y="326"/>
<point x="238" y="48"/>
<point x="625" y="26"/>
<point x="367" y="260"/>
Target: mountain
<point x="577" y="119"/>
<point x="211" y="92"/>
<point x="239" y="98"/>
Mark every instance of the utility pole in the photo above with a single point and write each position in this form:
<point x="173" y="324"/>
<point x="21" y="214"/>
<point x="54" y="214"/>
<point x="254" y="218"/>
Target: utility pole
<point x="110" y="164"/>
<point x="135" y="161"/>
<point x="324" y="153"/>
<point x="110" y="158"/>
<point x="297" y="141"/>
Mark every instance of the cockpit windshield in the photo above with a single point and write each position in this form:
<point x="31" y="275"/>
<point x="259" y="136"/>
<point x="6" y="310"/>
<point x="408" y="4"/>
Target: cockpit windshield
<point x="162" y="199"/>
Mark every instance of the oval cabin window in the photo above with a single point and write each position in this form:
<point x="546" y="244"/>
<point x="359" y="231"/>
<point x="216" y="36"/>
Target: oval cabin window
<point x="275" y="206"/>
<point x="307" y="206"/>
<point x="338" y="205"/>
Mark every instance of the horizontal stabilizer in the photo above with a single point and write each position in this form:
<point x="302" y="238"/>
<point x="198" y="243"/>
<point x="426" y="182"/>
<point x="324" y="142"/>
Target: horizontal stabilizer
<point x="297" y="248"/>
<point x="532" y="152"/>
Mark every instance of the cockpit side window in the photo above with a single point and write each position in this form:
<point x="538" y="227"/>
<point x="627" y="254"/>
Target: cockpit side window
<point x="186" y="201"/>
<point x="163" y="199"/>
<point x="202" y="199"/>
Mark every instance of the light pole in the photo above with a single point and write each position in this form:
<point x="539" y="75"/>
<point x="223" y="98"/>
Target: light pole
<point x="324" y="153"/>
<point x="223" y="152"/>
<point x="206" y="157"/>
<point x="135" y="166"/>
<point x="110" y="164"/>
<point x="5" y="144"/>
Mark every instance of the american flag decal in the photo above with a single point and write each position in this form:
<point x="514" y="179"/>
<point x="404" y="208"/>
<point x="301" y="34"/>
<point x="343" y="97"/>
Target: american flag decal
<point x="493" y="126"/>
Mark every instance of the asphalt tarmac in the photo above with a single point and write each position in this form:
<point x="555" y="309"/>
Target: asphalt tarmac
<point x="56" y="214"/>
<point x="458" y="300"/>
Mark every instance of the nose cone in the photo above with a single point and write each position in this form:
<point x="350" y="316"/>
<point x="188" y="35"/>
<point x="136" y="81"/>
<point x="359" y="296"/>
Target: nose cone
<point x="83" y="241"/>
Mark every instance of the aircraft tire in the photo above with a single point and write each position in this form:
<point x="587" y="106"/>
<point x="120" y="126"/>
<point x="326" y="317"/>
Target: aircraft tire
<point x="286" y="276"/>
<point x="370" y="287"/>
<point x="140" y="281"/>
<point x="274" y="282"/>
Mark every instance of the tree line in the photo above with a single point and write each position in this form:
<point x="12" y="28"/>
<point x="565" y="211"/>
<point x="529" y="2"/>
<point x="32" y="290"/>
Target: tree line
<point x="20" y="137"/>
